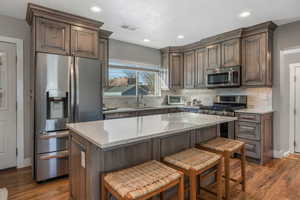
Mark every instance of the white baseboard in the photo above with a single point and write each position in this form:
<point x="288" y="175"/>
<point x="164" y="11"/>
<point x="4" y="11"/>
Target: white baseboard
<point x="280" y="154"/>
<point x="26" y="163"/>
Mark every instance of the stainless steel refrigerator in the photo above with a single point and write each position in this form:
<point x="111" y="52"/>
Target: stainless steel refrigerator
<point x="68" y="89"/>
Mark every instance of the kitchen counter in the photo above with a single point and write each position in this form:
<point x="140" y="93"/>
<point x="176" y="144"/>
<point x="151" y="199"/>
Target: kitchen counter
<point x="109" y="145"/>
<point x="120" y="110"/>
<point x="255" y="110"/>
<point x="109" y="133"/>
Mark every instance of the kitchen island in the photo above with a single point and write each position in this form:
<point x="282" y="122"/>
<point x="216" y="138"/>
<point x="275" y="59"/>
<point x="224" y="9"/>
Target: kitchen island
<point x="104" y="146"/>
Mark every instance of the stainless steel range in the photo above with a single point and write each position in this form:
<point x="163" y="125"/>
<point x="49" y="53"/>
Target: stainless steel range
<point x="225" y="105"/>
<point x="68" y="89"/>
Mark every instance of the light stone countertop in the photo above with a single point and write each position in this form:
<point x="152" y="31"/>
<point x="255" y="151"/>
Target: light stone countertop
<point x="255" y="110"/>
<point x="120" y="110"/>
<point x="115" y="132"/>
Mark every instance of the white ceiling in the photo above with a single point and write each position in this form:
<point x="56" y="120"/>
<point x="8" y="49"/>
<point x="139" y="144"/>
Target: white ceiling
<point x="162" y="20"/>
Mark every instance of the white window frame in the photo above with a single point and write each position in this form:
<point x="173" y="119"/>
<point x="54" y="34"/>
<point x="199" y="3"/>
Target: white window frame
<point x="137" y="67"/>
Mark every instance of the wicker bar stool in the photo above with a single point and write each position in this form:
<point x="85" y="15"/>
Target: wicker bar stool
<point x="193" y="162"/>
<point x="227" y="147"/>
<point x="142" y="182"/>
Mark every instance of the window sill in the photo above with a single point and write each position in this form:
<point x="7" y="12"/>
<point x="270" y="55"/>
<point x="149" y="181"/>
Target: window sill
<point x="124" y="97"/>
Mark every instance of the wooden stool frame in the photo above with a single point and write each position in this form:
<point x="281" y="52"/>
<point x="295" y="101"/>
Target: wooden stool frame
<point x="106" y="188"/>
<point x="227" y="155"/>
<point x="192" y="174"/>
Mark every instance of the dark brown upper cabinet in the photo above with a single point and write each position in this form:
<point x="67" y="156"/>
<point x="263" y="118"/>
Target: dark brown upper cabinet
<point x="214" y="56"/>
<point x="189" y="69"/>
<point x="52" y="36"/>
<point x="84" y="42"/>
<point x="255" y="64"/>
<point x="103" y="56"/>
<point x="176" y="71"/>
<point x="165" y="71"/>
<point x="231" y="53"/>
<point x="62" y="33"/>
<point x="200" y="67"/>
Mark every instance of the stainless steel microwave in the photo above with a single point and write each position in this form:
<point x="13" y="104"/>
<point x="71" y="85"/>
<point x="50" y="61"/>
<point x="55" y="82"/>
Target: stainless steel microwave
<point x="175" y="100"/>
<point x="223" y="77"/>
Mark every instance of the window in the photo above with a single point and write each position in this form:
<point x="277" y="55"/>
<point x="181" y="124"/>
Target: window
<point x="128" y="80"/>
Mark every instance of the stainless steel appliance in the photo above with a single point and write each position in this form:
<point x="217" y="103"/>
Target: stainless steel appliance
<point x="68" y="89"/>
<point x="223" y="77"/>
<point x="225" y="105"/>
<point x="175" y="100"/>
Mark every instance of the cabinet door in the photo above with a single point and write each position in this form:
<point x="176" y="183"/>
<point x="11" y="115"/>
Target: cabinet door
<point x="78" y="173"/>
<point x="165" y="71"/>
<point x="52" y="36"/>
<point x="176" y="70"/>
<point x="254" y="60"/>
<point x="84" y="42"/>
<point x="103" y="56"/>
<point x="214" y="56"/>
<point x="201" y="63"/>
<point x="231" y="53"/>
<point x="189" y="69"/>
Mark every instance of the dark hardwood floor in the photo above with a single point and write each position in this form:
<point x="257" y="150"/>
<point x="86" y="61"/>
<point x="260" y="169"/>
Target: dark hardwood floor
<point x="277" y="180"/>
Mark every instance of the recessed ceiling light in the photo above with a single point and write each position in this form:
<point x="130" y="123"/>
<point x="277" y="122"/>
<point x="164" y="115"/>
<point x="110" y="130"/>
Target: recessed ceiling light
<point x="245" y="14"/>
<point x="180" y="36"/>
<point x="146" y="40"/>
<point x="95" y="9"/>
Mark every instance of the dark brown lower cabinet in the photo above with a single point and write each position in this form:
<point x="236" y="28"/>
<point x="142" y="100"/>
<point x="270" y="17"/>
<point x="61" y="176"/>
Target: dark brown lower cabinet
<point x="85" y="183"/>
<point x="256" y="130"/>
<point x="78" y="173"/>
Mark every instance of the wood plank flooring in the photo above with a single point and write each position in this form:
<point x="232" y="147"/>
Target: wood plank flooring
<point x="278" y="180"/>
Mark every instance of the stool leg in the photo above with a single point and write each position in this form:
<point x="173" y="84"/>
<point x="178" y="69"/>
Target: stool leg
<point x="103" y="192"/>
<point x="219" y="180"/>
<point x="227" y="174"/>
<point x="193" y="189"/>
<point x="243" y="167"/>
<point x="180" y="192"/>
<point x="161" y="196"/>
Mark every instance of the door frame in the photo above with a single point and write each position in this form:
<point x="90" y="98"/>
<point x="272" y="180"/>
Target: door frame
<point x="20" y="98"/>
<point x="292" y="105"/>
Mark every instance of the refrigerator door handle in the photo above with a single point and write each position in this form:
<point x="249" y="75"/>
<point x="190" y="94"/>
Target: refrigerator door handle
<point x="76" y="89"/>
<point x="72" y="90"/>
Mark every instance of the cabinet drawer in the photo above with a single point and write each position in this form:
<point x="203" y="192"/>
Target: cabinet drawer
<point x="248" y="117"/>
<point x="252" y="148"/>
<point x="50" y="165"/>
<point x="248" y="130"/>
<point x="53" y="141"/>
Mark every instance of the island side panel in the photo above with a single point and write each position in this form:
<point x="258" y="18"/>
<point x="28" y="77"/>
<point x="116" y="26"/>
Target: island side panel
<point x="99" y="161"/>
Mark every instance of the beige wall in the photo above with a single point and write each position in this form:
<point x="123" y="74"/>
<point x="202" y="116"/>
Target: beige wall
<point x="132" y="52"/>
<point x="286" y="37"/>
<point x="15" y="28"/>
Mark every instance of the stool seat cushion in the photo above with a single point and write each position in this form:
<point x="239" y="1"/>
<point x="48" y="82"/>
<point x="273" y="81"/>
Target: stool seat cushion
<point x="192" y="159"/>
<point x="223" y="144"/>
<point x="140" y="180"/>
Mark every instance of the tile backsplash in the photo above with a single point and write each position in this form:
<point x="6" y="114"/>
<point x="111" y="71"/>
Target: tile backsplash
<point x="257" y="97"/>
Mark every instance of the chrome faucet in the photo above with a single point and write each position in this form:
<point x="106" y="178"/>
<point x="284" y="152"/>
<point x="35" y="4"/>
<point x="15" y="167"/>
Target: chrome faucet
<point x="139" y="100"/>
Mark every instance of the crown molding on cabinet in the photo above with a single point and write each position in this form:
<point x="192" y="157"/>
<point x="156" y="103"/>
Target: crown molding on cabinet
<point x="40" y="11"/>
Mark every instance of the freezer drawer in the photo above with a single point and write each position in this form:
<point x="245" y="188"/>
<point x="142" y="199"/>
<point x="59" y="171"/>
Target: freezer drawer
<point x="53" y="141"/>
<point x="51" y="165"/>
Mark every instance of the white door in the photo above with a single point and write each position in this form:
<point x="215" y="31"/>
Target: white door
<point x="297" y="109"/>
<point x="8" y="121"/>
